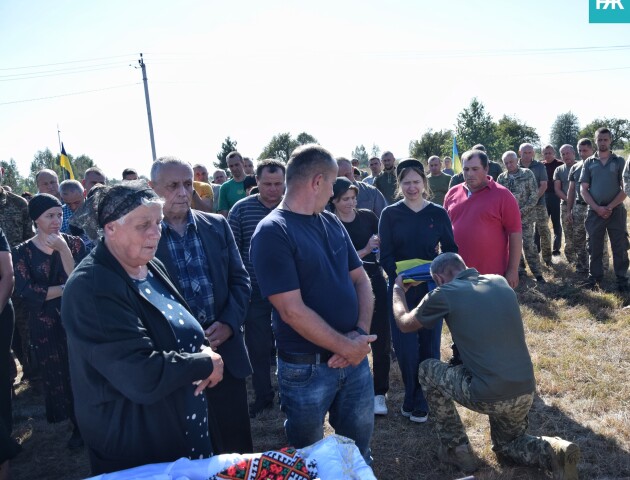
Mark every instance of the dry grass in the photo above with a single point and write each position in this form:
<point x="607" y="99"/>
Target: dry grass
<point x="580" y="345"/>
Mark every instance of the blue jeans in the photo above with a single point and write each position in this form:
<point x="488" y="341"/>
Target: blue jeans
<point x="308" y="392"/>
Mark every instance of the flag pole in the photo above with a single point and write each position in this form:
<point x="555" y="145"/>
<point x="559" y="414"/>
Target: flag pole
<point x="59" y="137"/>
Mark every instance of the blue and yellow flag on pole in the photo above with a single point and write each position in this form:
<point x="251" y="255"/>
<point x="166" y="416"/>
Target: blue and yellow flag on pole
<point x="64" y="163"/>
<point x="457" y="163"/>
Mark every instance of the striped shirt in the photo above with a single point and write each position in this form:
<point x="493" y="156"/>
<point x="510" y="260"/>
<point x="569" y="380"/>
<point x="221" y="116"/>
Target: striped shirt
<point x="192" y="267"/>
<point x="243" y="218"/>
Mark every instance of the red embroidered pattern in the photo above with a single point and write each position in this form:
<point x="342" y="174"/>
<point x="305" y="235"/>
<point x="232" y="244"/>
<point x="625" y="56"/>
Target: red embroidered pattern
<point x="283" y="464"/>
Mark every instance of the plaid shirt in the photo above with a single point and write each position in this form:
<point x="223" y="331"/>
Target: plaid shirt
<point x="67" y="215"/>
<point x="192" y="267"/>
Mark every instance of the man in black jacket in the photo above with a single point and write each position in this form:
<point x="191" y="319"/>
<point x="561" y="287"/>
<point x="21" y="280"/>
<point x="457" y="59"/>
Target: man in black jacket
<point x="200" y="254"/>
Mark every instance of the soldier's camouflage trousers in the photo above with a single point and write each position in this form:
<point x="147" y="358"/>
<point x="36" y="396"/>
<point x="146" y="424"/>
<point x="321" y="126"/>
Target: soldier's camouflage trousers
<point x="529" y="247"/>
<point x="541" y="219"/>
<point x="443" y="384"/>
<point x="569" y="236"/>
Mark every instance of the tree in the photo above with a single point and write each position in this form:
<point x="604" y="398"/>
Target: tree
<point x="227" y="146"/>
<point x="304" y="138"/>
<point x="565" y="129"/>
<point x="619" y="128"/>
<point x="511" y="132"/>
<point x="432" y="143"/>
<point x="12" y="176"/>
<point x="360" y="153"/>
<point x="281" y="145"/>
<point x="475" y="125"/>
<point x="376" y="150"/>
<point x="79" y="165"/>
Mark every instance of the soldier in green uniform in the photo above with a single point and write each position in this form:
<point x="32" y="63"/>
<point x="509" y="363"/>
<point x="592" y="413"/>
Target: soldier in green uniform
<point x="561" y="188"/>
<point x="496" y="377"/>
<point x="522" y="183"/>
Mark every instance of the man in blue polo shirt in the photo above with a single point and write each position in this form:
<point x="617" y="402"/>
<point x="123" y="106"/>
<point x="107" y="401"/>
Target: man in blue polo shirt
<point x="306" y="265"/>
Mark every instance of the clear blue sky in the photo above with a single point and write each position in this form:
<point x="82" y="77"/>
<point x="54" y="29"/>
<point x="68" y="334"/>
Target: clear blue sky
<point x="349" y="73"/>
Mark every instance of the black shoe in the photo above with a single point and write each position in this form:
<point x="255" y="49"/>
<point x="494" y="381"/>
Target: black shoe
<point x="555" y="253"/>
<point x="592" y="283"/>
<point x="623" y="288"/>
<point x="257" y="407"/>
<point x="75" y="441"/>
<point x="540" y="279"/>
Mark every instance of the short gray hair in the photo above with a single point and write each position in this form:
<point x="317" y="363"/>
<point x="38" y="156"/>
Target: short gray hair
<point x="163" y="161"/>
<point x="70" y="186"/>
<point x="446" y="262"/>
<point x="509" y="153"/>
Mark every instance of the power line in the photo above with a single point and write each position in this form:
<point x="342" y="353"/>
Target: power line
<point x="66" y="72"/>
<point x="66" y="63"/>
<point x="70" y="94"/>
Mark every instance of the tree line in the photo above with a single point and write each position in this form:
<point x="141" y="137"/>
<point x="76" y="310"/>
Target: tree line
<point x="473" y="125"/>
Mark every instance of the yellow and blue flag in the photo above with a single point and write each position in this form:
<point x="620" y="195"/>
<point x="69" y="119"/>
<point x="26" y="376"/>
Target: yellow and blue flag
<point x="64" y="163"/>
<point x="457" y="163"/>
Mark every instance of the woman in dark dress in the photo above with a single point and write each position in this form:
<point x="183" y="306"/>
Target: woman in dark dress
<point x="139" y="364"/>
<point x="362" y="226"/>
<point x="413" y="228"/>
<point x="42" y="266"/>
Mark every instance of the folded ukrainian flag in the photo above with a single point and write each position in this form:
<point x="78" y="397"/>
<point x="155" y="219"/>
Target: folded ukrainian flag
<point x="415" y="270"/>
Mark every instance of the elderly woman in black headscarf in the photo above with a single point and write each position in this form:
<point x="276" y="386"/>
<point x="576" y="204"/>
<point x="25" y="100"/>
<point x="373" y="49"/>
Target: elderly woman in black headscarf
<point x="41" y="267"/>
<point x="137" y="359"/>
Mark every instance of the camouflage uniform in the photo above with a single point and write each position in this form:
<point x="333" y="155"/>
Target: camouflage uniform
<point x="18" y="228"/>
<point x="444" y="384"/>
<point x="540" y="215"/>
<point x="14" y="219"/>
<point x="525" y="189"/>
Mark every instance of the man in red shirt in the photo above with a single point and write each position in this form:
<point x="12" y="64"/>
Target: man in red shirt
<point x="486" y="220"/>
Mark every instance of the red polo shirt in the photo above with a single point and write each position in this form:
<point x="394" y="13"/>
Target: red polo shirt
<point x="482" y="223"/>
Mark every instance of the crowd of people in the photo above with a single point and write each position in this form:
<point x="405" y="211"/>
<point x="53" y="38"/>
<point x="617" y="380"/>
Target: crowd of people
<point x="143" y="307"/>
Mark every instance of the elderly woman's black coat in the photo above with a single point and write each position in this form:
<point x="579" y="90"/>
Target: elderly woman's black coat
<point x="127" y="376"/>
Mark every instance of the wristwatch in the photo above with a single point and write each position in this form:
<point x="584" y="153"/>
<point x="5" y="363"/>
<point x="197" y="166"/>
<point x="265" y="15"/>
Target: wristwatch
<point x="360" y="331"/>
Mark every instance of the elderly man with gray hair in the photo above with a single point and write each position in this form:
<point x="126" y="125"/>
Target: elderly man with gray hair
<point x="522" y="183"/>
<point x="496" y="377"/>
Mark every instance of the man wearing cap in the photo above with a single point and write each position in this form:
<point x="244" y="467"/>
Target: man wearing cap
<point x="368" y="197"/>
<point x="486" y="220"/>
<point x="303" y="258"/>
<point x="200" y="254"/>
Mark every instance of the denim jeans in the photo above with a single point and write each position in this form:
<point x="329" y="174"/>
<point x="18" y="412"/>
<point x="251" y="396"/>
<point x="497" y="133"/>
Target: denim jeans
<point x="308" y="392"/>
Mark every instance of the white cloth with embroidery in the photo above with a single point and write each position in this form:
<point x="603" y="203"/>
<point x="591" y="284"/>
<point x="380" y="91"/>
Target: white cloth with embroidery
<point x="337" y="458"/>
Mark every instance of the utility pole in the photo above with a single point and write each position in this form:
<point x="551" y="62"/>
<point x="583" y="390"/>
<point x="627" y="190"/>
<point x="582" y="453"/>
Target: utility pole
<point x="146" y="97"/>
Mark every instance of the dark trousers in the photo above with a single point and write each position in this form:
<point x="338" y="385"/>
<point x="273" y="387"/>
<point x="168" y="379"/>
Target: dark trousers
<point x="7" y="321"/>
<point x="259" y="341"/>
<point x="413" y="348"/>
<point x="553" y="209"/>
<point x="228" y="416"/>
<point x="596" y="228"/>
<point x="381" y="348"/>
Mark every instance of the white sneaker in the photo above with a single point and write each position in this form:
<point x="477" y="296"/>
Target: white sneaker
<point x="380" y="406"/>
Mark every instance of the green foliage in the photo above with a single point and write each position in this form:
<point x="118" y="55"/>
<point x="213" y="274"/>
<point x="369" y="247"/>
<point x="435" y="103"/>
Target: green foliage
<point x="511" y="132"/>
<point x="281" y="145"/>
<point x="475" y="125"/>
<point x="227" y="146"/>
<point x="304" y="138"/>
<point x="431" y="143"/>
<point x="79" y="165"/>
<point x="361" y="154"/>
<point x="376" y="150"/>
<point x="11" y="175"/>
<point x="619" y="127"/>
<point x="565" y="129"/>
